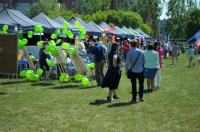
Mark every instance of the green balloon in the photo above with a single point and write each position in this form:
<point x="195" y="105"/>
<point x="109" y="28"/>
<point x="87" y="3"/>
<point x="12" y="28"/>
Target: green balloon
<point x="23" y="73"/>
<point x="5" y="28"/>
<point x="53" y="36"/>
<point x="64" y="31"/>
<point x="78" y="77"/>
<point x="65" y="46"/>
<point x="62" y="76"/>
<point x="41" y="30"/>
<point x="92" y="65"/>
<point x="24" y="41"/>
<point x="72" y="51"/>
<point x="40" y="43"/>
<point x="37" y="27"/>
<point x="77" y="23"/>
<point x="88" y="66"/>
<point x="85" y="81"/>
<point x="66" y="78"/>
<point x="29" y="74"/>
<point x="52" y="42"/>
<point x="57" y="31"/>
<point x="21" y="45"/>
<point x="31" y="57"/>
<point x="65" y="25"/>
<point x="35" y="78"/>
<point x="30" y="34"/>
<point x="58" y="41"/>
<point x="47" y="49"/>
<point x="71" y="36"/>
<point x="39" y="72"/>
<point x="19" y="41"/>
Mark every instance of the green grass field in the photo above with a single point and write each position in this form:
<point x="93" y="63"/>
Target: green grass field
<point x="51" y="106"/>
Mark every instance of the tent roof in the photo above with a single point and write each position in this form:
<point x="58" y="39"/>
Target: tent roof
<point x="87" y="28"/>
<point x="95" y="28"/>
<point x="104" y="25"/>
<point x="137" y="34"/>
<point x="143" y="33"/>
<point x="61" y="21"/>
<point x="128" y="31"/>
<point x="14" y="17"/>
<point x="46" y="22"/>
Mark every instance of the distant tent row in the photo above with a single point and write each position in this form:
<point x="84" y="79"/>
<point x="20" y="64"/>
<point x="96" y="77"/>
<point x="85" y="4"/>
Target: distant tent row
<point x="14" y="18"/>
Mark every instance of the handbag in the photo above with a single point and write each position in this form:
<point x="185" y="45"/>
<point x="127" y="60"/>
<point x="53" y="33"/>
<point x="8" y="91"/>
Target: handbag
<point x="129" y="72"/>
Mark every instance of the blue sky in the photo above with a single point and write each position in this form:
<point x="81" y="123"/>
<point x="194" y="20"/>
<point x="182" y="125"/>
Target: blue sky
<point x="164" y="10"/>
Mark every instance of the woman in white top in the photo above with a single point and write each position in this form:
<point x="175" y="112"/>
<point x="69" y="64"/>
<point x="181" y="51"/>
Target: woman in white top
<point x="151" y="65"/>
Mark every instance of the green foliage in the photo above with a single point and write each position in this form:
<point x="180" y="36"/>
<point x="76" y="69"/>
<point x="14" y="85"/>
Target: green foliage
<point x="68" y="107"/>
<point x="49" y="7"/>
<point x="146" y="28"/>
<point x="91" y="6"/>
<point x="193" y="22"/>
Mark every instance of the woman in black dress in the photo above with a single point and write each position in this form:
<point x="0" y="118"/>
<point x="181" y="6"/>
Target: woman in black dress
<point x="113" y="75"/>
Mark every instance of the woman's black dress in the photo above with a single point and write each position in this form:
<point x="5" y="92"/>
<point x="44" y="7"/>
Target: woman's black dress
<point x="113" y="74"/>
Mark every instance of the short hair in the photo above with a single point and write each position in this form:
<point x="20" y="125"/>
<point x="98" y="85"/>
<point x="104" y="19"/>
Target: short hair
<point x="150" y="47"/>
<point x="133" y="43"/>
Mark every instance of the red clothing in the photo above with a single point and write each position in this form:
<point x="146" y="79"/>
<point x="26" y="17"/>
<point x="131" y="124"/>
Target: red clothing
<point x="127" y="47"/>
<point x="161" y="54"/>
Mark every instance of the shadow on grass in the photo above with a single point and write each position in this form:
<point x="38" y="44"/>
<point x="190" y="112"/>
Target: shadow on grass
<point x="14" y="82"/>
<point x="3" y="93"/>
<point x="88" y="87"/>
<point x="66" y="86"/>
<point x="121" y="104"/>
<point x="42" y="84"/>
<point x="99" y="102"/>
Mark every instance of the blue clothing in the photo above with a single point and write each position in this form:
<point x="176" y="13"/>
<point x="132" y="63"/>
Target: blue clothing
<point x="191" y="52"/>
<point x="98" y="52"/>
<point x="152" y="59"/>
<point x="132" y="56"/>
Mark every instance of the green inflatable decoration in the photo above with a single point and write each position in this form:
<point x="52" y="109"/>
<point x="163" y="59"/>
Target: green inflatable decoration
<point x="58" y="41"/>
<point x="30" y="34"/>
<point x="53" y="36"/>
<point x="22" y="73"/>
<point x="92" y="65"/>
<point x="5" y="28"/>
<point x="65" y="25"/>
<point x="85" y="81"/>
<point x="72" y="51"/>
<point x="66" y="78"/>
<point x="78" y="77"/>
<point x="62" y="76"/>
<point x="24" y="41"/>
<point x="57" y="31"/>
<point x="41" y="30"/>
<point x="29" y="74"/>
<point x="40" y="43"/>
<point x="37" y="28"/>
<point x="77" y="24"/>
<point x="35" y="78"/>
<point x="65" y="46"/>
<point x="39" y="72"/>
<point x="64" y="31"/>
<point x="31" y="57"/>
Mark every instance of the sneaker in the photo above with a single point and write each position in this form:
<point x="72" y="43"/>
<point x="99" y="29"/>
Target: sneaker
<point x="115" y="97"/>
<point x="141" y="99"/>
<point x="109" y="99"/>
<point x="133" y="102"/>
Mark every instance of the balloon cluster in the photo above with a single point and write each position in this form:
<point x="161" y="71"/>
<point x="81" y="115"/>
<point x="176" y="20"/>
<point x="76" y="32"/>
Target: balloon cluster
<point x="52" y="48"/>
<point x="38" y="28"/>
<point x="78" y="77"/>
<point x="30" y="34"/>
<point x="30" y="75"/>
<point x="5" y="28"/>
<point x="84" y="80"/>
<point x="22" y="43"/>
<point x="64" y="77"/>
<point x="81" y="29"/>
<point x="66" y="32"/>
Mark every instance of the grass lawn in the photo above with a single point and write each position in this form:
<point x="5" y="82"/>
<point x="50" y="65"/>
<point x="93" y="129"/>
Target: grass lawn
<point x="67" y="107"/>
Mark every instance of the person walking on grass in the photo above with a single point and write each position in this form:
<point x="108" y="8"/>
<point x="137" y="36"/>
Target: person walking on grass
<point x="158" y="48"/>
<point x="175" y="53"/>
<point x="151" y="66"/>
<point x="134" y="61"/>
<point x="113" y="74"/>
<point x="191" y="55"/>
<point x="99" y="57"/>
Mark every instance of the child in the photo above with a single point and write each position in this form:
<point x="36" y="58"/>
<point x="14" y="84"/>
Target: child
<point x="191" y="55"/>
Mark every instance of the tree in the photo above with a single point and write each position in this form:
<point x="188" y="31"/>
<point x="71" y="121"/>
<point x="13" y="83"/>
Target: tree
<point x="49" y="7"/>
<point x="91" y="6"/>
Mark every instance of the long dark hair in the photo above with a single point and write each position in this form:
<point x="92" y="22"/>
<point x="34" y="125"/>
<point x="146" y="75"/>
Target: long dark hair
<point x="113" y="49"/>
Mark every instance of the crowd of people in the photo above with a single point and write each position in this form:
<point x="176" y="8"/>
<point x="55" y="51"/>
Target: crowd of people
<point x="142" y="61"/>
